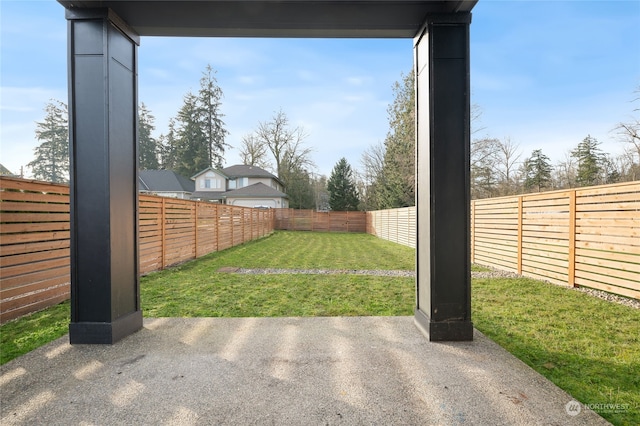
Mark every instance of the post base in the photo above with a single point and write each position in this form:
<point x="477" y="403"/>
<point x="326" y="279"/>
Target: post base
<point x="104" y="333"/>
<point x="443" y="331"/>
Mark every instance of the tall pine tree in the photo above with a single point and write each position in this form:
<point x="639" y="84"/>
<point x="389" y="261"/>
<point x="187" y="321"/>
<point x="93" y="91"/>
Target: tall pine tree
<point x="209" y="102"/>
<point x="52" y="155"/>
<point x="342" y="189"/>
<point x="589" y="157"/>
<point x="192" y="152"/>
<point x="395" y="187"/>
<point x="169" y="147"/>
<point x="148" y="149"/>
<point x="537" y="171"/>
<point x="197" y="138"/>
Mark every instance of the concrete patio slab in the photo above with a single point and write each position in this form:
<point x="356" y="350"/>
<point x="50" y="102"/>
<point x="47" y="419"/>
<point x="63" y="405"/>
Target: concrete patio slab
<point x="281" y="371"/>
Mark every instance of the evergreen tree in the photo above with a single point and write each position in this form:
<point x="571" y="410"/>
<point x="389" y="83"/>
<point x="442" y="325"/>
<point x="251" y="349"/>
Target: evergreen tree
<point x="209" y="102"/>
<point x="342" y="189"/>
<point x="169" y="147"/>
<point x="537" y="171"/>
<point x="196" y="136"/>
<point x="299" y="188"/>
<point x="192" y="151"/>
<point x="589" y="158"/>
<point x="395" y="186"/>
<point x="148" y="148"/>
<point x="52" y="155"/>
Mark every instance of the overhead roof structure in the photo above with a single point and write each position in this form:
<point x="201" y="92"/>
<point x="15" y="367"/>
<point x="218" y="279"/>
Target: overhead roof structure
<point x="277" y="18"/>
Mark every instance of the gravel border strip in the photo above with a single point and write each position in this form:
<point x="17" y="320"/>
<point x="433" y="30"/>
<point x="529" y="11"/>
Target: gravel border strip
<point x="370" y="272"/>
<point x="379" y="273"/>
<point x="494" y="273"/>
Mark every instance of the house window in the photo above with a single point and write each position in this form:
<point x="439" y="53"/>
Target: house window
<point x="232" y="184"/>
<point x="242" y="182"/>
<point x="210" y="183"/>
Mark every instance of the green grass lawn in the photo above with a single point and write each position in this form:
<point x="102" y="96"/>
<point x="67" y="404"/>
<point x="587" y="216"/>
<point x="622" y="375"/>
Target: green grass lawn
<point x="197" y="289"/>
<point x="587" y="346"/>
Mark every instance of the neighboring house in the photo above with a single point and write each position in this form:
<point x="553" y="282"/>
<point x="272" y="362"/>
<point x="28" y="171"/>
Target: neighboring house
<point x="210" y="185"/>
<point x="240" y="185"/>
<point x="165" y="183"/>
<point x="5" y="172"/>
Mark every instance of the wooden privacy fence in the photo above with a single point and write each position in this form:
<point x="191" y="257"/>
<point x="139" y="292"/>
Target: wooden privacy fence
<point x="34" y="246"/>
<point x="34" y="239"/>
<point x="311" y="220"/>
<point x="172" y="231"/>
<point x="580" y="237"/>
<point x="397" y="225"/>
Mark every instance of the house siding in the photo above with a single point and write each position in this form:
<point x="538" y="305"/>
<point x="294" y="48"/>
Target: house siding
<point x="217" y="182"/>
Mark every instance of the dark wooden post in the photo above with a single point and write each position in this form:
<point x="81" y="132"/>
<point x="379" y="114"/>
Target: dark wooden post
<point x="105" y="293"/>
<point x="443" y="308"/>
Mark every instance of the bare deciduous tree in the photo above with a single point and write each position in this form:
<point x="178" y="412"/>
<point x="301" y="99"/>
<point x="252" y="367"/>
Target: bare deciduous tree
<point x="629" y="133"/>
<point x="507" y="156"/>
<point x="628" y="166"/>
<point x="476" y="113"/>
<point x="253" y="152"/>
<point x="483" y="159"/>
<point x="286" y="144"/>
<point x="291" y="158"/>
<point x="372" y="161"/>
<point x="564" y="173"/>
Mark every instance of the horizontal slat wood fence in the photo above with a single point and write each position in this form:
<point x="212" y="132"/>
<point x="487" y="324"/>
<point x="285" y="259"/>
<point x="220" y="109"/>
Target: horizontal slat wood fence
<point x="397" y="225"/>
<point x="311" y="220"/>
<point x="34" y="246"/>
<point x="580" y="237"/>
<point x="173" y="231"/>
<point x="34" y="239"/>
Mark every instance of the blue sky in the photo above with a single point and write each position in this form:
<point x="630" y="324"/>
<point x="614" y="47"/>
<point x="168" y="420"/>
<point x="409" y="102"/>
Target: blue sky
<point x="544" y="73"/>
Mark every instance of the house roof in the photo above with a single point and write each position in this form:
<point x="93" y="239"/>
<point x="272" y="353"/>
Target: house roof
<point x="164" y="181"/>
<point x="220" y="172"/>
<point x="256" y="190"/>
<point x="242" y="170"/>
<point x="208" y="195"/>
<point x="4" y="171"/>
